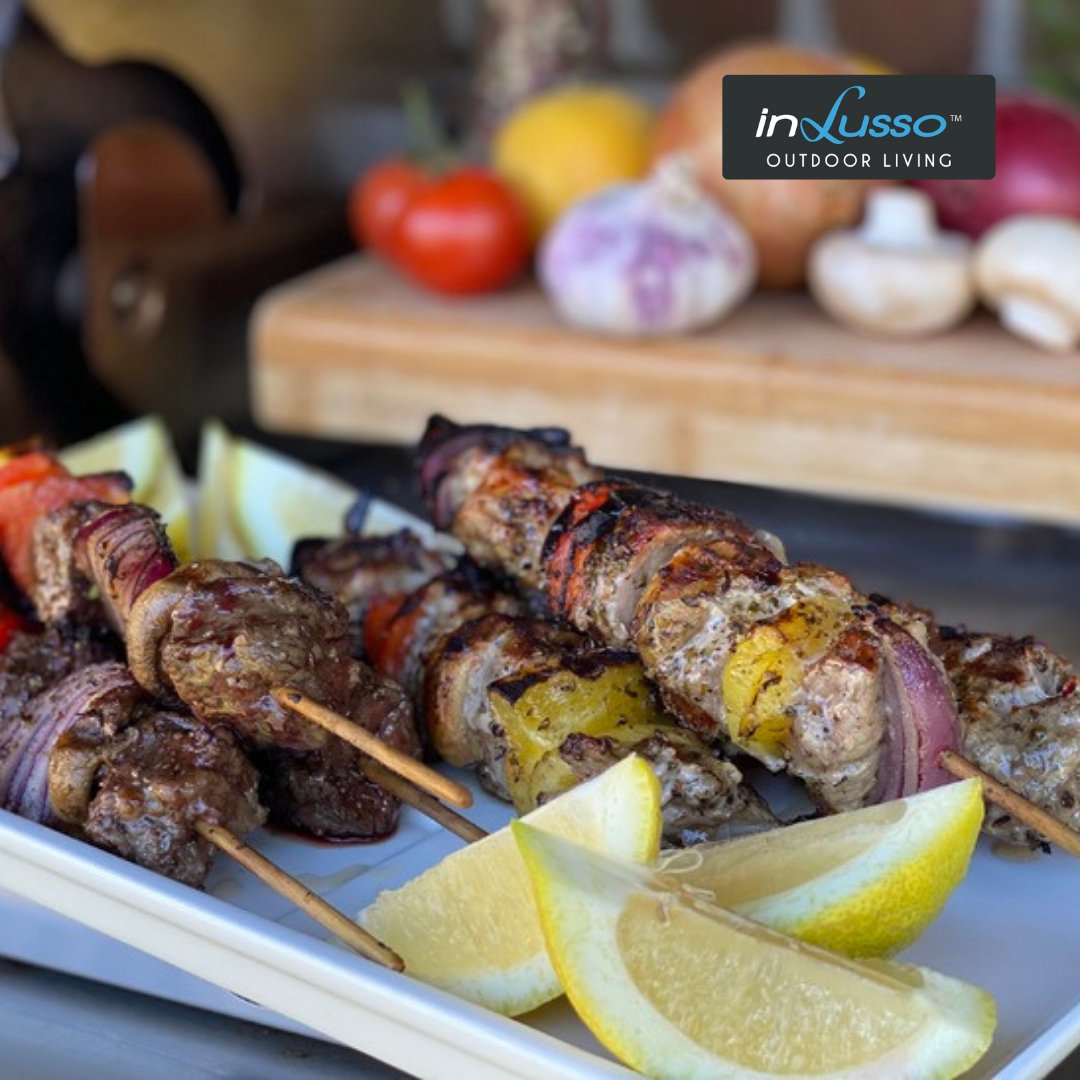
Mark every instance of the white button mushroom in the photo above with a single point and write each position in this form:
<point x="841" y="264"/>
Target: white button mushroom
<point x="897" y="273"/>
<point x="1028" y="269"/>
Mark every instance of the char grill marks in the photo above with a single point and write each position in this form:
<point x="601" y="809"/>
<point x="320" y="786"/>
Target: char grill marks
<point x="609" y="542"/>
<point x="404" y="634"/>
<point x="461" y="667"/>
<point x="1019" y="703"/>
<point x="787" y="661"/>
<point x="460" y="634"/>
<point x="216" y="637"/>
<point x="500" y="490"/>
<point x="358" y="570"/>
<point x="93" y="755"/>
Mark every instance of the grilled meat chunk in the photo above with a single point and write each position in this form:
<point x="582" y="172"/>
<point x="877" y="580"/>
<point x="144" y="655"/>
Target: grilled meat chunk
<point x="401" y="643"/>
<point x="1019" y="705"/>
<point x="702" y="797"/>
<point x="506" y="518"/>
<point x="95" y="756"/>
<point x="35" y="660"/>
<point x="165" y="772"/>
<point x="93" y="705"/>
<point x="456" y="707"/>
<point x="61" y="591"/>
<point x="455" y="459"/>
<point x="356" y="570"/>
<point x="839" y="720"/>
<point x="326" y="792"/>
<point x="234" y="631"/>
<point x="611" y="540"/>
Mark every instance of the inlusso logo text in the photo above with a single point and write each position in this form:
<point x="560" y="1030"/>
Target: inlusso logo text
<point x="873" y="127"/>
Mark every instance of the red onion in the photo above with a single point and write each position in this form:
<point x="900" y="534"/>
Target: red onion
<point x="1038" y="168"/>
<point x="26" y="744"/>
<point x="922" y="717"/>
<point x="124" y="550"/>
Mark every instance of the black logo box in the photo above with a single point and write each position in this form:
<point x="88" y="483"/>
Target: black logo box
<point x="949" y="121"/>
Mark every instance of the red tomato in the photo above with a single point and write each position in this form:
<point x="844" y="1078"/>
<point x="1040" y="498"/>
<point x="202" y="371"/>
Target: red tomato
<point x="465" y="232"/>
<point x="378" y="199"/>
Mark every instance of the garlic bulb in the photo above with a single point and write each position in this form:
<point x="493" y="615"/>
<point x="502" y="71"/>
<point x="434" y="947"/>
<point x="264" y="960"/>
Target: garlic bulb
<point x="658" y="257"/>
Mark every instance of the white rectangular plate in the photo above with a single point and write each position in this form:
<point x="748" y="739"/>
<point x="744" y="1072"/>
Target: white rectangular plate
<point x="237" y="948"/>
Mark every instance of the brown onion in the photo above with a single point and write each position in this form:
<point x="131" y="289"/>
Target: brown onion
<point x="783" y="215"/>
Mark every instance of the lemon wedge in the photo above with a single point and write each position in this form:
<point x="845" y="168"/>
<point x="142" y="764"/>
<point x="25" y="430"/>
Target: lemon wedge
<point x="144" y="450"/>
<point x="256" y="503"/>
<point x="469" y="924"/>
<point x="864" y="883"/>
<point x="676" y="986"/>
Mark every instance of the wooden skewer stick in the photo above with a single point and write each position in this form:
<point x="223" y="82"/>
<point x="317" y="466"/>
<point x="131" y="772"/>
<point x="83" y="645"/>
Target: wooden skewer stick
<point x="1022" y="809"/>
<point x="421" y="775"/>
<point x="412" y="796"/>
<point x="300" y="895"/>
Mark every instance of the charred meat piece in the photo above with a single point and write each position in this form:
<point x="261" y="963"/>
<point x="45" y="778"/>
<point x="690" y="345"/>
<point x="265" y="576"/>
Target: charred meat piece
<point x="233" y="632"/>
<point x="507" y="517"/>
<point x="609" y="543"/>
<point x="840" y="719"/>
<point x="95" y="756"/>
<point x="702" y="796"/>
<point x="165" y="772"/>
<point x="89" y="709"/>
<point x="401" y="637"/>
<point x="1019" y="705"/>
<point x="356" y="570"/>
<point x="325" y="792"/>
<point x="61" y="591"/>
<point x="36" y="659"/>
<point x="453" y="460"/>
<point x="693" y="612"/>
<point x="456" y="707"/>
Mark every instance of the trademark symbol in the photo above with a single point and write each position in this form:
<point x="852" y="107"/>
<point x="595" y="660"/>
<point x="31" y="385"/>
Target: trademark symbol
<point x="955" y="117"/>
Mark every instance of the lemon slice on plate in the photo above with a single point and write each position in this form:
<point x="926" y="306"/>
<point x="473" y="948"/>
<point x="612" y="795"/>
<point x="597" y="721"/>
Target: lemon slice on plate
<point x="144" y="450"/>
<point x="865" y="883"/>
<point x="676" y="986"/>
<point x="256" y="503"/>
<point x="469" y="924"/>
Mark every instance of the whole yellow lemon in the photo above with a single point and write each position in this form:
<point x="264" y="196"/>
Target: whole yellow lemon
<point x="567" y="143"/>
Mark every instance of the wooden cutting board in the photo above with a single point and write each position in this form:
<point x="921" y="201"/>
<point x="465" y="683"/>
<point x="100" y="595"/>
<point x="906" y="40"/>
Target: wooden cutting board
<point x="778" y="395"/>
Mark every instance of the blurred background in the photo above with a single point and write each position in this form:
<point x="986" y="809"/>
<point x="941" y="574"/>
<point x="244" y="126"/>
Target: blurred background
<point x="163" y="165"/>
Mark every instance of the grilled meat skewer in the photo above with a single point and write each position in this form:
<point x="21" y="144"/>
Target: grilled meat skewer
<point x="217" y="637"/>
<point x="720" y="620"/>
<point x="459" y="641"/>
<point x="838" y="682"/>
<point x="87" y="751"/>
